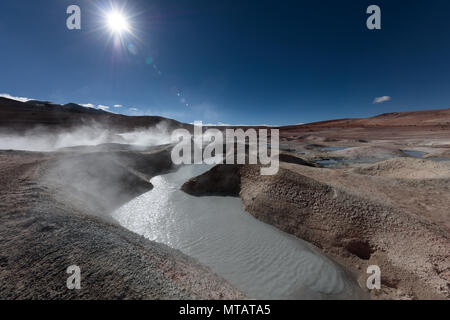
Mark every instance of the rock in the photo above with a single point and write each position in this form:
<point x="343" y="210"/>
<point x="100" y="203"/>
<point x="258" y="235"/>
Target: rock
<point x="222" y="180"/>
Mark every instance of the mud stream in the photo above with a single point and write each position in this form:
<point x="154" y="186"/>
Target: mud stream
<point x="257" y="258"/>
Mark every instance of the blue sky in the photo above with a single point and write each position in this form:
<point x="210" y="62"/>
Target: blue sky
<point x="231" y="61"/>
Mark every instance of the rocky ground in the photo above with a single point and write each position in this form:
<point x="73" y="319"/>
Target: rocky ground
<point x="375" y="205"/>
<point x="372" y="191"/>
<point x="54" y="213"/>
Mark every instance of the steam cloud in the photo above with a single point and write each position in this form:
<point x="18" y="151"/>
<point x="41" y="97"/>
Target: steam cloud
<point x="40" y="139"/>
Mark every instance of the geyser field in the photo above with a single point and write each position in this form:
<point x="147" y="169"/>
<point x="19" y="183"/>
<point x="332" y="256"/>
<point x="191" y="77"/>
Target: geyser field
<point x="99" y="190"/>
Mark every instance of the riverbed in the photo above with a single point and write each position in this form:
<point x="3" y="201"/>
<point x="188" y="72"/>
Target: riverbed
<point x="258" y="259"/>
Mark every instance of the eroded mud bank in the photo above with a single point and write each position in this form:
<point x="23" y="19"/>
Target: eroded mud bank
<point x="357" y="219"/>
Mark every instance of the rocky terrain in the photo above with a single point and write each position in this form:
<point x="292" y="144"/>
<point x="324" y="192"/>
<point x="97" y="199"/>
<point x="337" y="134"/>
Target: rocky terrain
<point x="372" y="191"/>
<point x="54" y="214"/>
<point x="388" y="214"/>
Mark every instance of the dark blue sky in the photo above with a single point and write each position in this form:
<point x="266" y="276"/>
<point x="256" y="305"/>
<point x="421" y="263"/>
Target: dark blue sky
<point x="233" y="61"/>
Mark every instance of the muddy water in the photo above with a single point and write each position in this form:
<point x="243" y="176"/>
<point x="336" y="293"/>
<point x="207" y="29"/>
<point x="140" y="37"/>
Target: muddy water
<point x="414" y="153"/>
<point x="334" y="148"/>
<point x="258" y="259"/>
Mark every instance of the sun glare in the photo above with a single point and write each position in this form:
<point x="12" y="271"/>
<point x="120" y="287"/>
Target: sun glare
<point x="117" y="22"/>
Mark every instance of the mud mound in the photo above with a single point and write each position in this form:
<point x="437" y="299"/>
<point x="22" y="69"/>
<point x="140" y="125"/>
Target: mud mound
<point x="225" y="180"/>
<point x="407" y="168"/>
<point x="45" y="230"/>
<point x="221" y="180"/>
<point x="291" y="158"/>
<point x="355" y="229"/>
<point x="100" y="182"/>
<point x="352" y="225"/>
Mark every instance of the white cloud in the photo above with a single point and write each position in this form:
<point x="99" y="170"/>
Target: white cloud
<point x="381" y="99"/>
<point x="88" y="105"/>
<point x="8" y="96"/>
<point x="102" y="107"/>
<point x="133" y="109"/>
<point x="117" y="106"/>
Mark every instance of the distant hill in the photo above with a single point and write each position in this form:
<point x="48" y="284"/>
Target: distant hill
<point x="19" y="116"/>
<point x="440" y="117"/>
<point x="70" y="107"/>
<point x="396" y="125"/>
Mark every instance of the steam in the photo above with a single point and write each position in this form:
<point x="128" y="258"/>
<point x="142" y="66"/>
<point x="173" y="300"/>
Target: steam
<point x="157" y="135"/>
<point x="41" y="139"/>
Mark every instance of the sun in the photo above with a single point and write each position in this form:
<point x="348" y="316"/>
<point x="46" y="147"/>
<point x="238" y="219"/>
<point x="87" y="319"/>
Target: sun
<point x="117" y="22"/>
